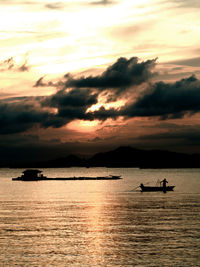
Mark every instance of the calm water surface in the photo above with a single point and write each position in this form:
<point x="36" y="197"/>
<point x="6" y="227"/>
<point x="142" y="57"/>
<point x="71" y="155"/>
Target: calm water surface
<point x="100" y="223"/>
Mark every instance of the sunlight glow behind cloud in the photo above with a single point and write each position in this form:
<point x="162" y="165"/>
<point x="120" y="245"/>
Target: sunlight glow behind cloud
<point x="93" y="64"/>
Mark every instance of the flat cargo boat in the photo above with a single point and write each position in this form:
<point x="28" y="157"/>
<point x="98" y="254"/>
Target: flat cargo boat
<point x="36" y="175"/>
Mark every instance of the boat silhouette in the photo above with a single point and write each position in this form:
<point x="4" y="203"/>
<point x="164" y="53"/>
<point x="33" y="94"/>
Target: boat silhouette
<point x="36" y="175"/>
<point x="156" y="188"/>
<point x="163" y="187"/>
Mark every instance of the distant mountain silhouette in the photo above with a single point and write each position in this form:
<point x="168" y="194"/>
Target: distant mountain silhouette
<point x="120" y="157"/>
<point x="131" y="157"/>
<point x="123" y="157"/>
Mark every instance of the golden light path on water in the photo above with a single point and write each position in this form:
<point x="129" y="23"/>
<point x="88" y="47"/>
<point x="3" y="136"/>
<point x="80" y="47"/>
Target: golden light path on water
<point x="100" y="223"/>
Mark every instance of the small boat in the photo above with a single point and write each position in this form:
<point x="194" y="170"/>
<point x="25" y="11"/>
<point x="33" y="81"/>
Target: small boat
<point x="36" y="175"/>
<point x="156" y="188"/>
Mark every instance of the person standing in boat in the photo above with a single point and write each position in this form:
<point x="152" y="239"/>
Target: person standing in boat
<point x="164" y="183"/>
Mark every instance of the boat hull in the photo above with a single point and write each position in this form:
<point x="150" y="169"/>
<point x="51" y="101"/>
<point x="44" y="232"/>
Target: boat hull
<point x="67" y="179"/>
<point x="156" y="188"/>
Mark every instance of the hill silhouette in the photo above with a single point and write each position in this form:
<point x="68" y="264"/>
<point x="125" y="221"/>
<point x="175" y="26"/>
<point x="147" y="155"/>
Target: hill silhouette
<point x="132" y="157"/>
<point x="122" y="157"/>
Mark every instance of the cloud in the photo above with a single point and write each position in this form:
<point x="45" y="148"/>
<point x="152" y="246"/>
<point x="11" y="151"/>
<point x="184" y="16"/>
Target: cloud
<point x="120" y="76"/>
<point x="192" y="62"/>
<point x="167" y="100"/>
<point x="123" y="74"/>
<point x="55" y="5"/>
<point x="73" y="98"/>
<point x="187" y="3"/>
<point x="116" y="79"/>
<point x="103" y="2"/>
<point x="60" y="5"/>
<point x="10" y="64"/>
<point x="18" y="115"/>
<point x="104" y="114"/>
<point x="71" y="104"/>
<point x="41" y="83"/>
<point x="7" y="64"/>
<point x="163" y="100"/>
<point x="77" y="95"/>
<point x="18" y="2"/>
<point x="23" y="67"/>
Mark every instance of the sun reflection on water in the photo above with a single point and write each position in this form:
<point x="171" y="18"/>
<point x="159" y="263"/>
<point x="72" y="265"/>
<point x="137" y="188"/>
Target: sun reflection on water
<point x="99" y="223"/>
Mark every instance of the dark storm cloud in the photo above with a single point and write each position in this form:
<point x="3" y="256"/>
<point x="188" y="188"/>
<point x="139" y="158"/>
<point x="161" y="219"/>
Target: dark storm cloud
<point x="104" y="114"/>
<point x="116" y="79"/>
<point x="122" y="74"/>
<point x="71" y="104"/>
<point x="73" y="98"/>
<point x="21" y="114"/>
<point x="163" y="100"/>
<point x="167" y="100"/>
<point x="19" y="117"/>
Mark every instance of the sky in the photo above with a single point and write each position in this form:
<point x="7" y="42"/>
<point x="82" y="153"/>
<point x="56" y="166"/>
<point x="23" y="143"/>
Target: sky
<point x="89" y="76"/>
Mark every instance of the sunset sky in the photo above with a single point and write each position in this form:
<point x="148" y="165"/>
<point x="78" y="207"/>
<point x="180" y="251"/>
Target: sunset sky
<point x="88" y="76"/>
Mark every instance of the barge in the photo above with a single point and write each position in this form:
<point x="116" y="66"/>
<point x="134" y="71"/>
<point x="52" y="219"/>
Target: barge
<point x="36" y="175"/>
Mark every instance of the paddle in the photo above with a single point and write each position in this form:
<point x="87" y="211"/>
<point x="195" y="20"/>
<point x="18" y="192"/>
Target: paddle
<point x="138" y="187"/>
<point x="135" y="188"/>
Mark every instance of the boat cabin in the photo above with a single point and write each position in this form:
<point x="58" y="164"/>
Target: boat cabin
<point x="32" y="175"/>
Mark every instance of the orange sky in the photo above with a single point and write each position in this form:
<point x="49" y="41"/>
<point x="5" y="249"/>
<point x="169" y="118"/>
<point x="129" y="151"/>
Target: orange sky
<point x="52" y="51"/>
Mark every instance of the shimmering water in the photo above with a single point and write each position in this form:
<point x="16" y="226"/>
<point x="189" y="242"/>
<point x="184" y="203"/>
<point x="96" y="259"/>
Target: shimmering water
<point x="100" y="223"/>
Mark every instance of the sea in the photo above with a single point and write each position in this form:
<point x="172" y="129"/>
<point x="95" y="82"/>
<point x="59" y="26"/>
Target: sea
<point x="100" y="223"/>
